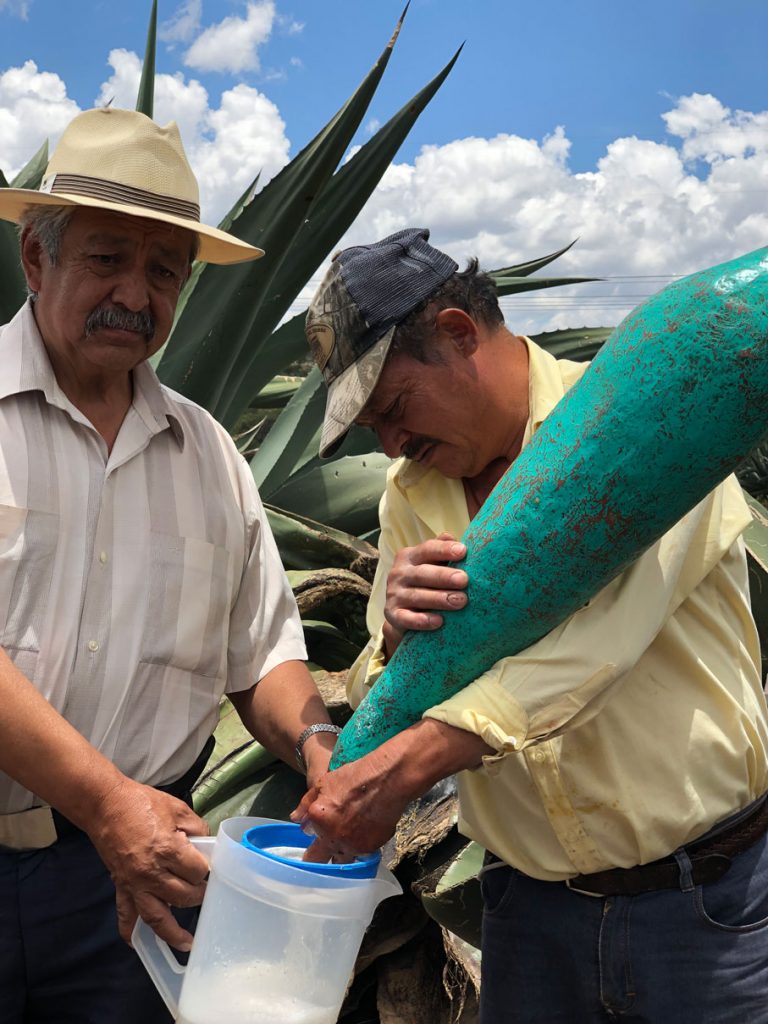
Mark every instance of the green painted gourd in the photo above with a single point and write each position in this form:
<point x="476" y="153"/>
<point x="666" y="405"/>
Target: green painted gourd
<point x="675" y="399"/>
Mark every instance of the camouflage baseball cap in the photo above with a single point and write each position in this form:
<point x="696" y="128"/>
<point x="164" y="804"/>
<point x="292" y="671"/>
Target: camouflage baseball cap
<point x="367" y="291"/>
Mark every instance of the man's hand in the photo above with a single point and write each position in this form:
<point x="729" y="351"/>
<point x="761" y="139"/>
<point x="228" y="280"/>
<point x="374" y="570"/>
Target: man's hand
<point x="355" y="809"/>
<point x="419" y="586"/>
<point x="352" y="810"/>
<point x="141" y="835"/>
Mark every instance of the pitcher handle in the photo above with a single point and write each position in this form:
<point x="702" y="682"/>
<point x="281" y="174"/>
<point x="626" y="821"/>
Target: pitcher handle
<point x="162" y="966"/>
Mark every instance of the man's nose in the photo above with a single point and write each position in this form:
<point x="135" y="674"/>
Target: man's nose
<point x="392" y="439"/>
<point x="130" y="290"/>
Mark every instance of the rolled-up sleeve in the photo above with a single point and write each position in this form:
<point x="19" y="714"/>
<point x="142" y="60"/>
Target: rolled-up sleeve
<point x="565" y="678"/>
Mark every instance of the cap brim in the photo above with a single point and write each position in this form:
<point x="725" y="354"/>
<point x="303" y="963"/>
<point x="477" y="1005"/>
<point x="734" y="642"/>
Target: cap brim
<point x="348" y="394"/>
<point x="215" y="246"/>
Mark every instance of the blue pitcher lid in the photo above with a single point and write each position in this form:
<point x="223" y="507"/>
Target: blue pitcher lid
<point x="263" y="839"/>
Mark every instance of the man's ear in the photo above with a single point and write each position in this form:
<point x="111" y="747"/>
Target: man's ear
<point x="32" y="258"/>
<point x="460" y="328"/>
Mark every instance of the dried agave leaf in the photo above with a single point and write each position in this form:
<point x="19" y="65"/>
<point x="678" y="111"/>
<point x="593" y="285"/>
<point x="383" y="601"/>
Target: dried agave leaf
<point x="418" y="985"/>
<point x="425" y="823"/>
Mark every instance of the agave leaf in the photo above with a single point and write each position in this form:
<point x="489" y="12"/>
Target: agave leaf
<point x="208" y="346"/>
<point x="146" y="97"/>
<point x="327" y="646"/>
<point x="12" y="284"/>
<point x="306" y="544"/>
<point x="272" y="792"/>
<point x="244" y="440"/>
<point x="290" y="434"/>
<point x="197" y="269"/>
<point x="756" y="534"/>
<point x="455" y="901"/>
<point x="291" y="446"/>
<point x="276" y="351"/>
<point x="579" y="344"/>
<point x="32" y="173"/>
<point x="336" y="596"/>
<point x="277" y="393"/>
<point x="230" y="735"/>
<point x="229" y="775"/>
<point x="531" y="266"/>
<point x="358" y="441"/>
<point x="344" y="493"/>
<point x="229" y="219"/>
<point x="13" y="287"/>
<point x="507" y="285"/>
<point x="334" y="211"/>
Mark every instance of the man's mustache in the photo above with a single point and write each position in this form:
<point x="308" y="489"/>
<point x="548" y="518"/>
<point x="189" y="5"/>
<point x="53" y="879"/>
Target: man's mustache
<point x="416" y="444"/>
<point x="122" y="319"/>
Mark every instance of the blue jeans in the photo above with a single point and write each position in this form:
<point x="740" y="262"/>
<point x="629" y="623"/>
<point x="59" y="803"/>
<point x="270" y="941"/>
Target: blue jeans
<point x="61" y="958"/>
<point x="693" y="955"/>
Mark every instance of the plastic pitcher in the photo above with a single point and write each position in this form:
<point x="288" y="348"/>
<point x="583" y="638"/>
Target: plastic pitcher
<point x="277" y="938"/>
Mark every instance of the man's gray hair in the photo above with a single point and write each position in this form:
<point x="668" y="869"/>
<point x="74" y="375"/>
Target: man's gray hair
<point x="47" y="224"/>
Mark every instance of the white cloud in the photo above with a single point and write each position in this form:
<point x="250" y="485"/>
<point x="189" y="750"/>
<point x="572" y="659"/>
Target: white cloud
<point x="18" y="8"/>
<point x="33" y="106"/>
<point x="232" y="45"/>
<point x="373" y="126"/>
<point x="183" y="24"/>
<point x="712" y="132"/>
<point x="648" y="209"/>
<point x="289" y="26"/>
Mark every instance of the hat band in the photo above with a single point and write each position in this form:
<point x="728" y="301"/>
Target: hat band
<point x="114" y="192"/>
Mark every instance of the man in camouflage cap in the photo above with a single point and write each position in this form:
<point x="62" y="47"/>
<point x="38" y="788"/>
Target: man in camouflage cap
<point x="616" y="771"/>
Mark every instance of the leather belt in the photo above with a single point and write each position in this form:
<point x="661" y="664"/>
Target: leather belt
<point x="710" y="858"/>
<point x="41" y="827"/>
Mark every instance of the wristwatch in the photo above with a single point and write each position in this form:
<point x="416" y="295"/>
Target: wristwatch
<point x="310" y="731"/>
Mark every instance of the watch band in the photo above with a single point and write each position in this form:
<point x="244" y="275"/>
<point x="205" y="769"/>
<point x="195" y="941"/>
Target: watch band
<point x="310" y="731"/>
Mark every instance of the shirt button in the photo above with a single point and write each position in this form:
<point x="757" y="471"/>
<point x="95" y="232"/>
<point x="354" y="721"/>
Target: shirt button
<point x="93" y="645"/>
<point x="538" y="755"/>
<point x="103" y="557"/>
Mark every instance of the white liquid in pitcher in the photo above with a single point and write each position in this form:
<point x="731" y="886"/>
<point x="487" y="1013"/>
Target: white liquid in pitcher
<point x="235" y="996"/>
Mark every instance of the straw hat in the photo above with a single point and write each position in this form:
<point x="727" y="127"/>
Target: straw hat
<point x="121" y="160"/>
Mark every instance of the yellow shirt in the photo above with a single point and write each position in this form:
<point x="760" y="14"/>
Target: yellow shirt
<point x="631" y="728"/>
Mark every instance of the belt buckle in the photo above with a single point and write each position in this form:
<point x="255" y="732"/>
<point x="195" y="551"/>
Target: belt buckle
<point x="584" y="892"/>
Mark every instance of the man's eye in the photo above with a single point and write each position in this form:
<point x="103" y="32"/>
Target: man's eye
<point x="166" y="274"/>
<point x="104" y="259"/>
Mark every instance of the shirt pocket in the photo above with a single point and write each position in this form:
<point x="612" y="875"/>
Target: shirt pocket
<point x="28" y="540"/>
<point x="189" y="602"/>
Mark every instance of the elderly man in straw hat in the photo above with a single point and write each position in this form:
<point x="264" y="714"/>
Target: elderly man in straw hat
<point x="140" y="582"/>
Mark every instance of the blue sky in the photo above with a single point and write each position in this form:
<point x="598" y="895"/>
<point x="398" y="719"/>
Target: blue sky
<point x="640" y="128"/>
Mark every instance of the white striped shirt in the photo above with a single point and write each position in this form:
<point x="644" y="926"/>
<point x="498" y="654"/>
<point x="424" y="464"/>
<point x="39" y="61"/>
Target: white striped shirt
<point x="136" y="586"/>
